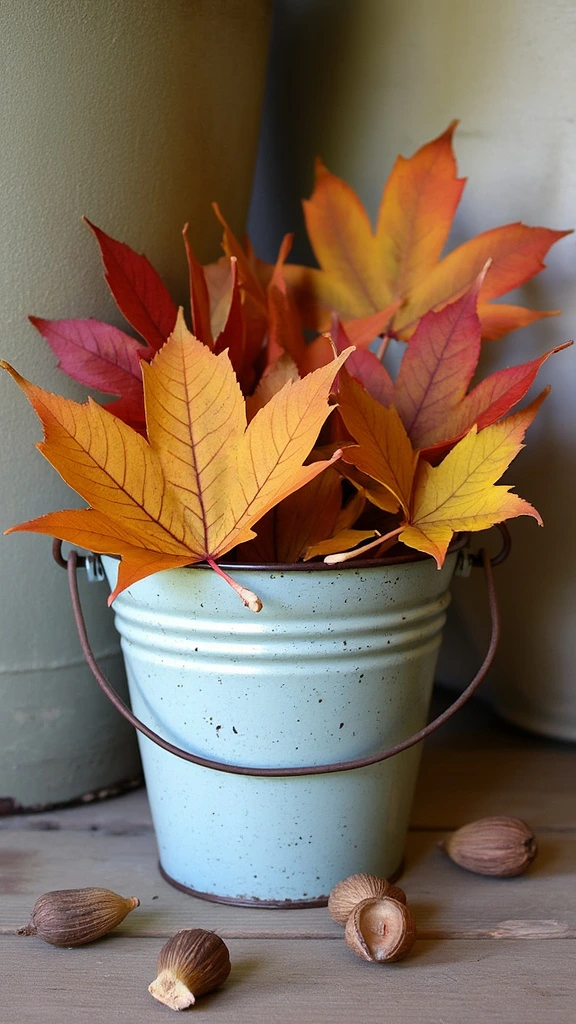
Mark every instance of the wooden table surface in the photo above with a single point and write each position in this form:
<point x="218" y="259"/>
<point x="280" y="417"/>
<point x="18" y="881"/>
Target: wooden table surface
<point x="489" y="950"/>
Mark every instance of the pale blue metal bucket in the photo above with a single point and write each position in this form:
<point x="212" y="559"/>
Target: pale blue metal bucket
<point x="339" y="664"/>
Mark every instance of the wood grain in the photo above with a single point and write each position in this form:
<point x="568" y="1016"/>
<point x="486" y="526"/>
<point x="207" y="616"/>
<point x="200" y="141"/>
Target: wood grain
<point x="304" y="980"/>
<point x="446" y="900"/>
<point x="498" y="950"/>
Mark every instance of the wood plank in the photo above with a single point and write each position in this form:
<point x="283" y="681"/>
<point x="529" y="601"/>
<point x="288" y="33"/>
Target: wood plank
<point x="308" y="981"/>
<point x="446" y="900"/>
<point x="478" y="764"/>
<point x="458" y="786"/>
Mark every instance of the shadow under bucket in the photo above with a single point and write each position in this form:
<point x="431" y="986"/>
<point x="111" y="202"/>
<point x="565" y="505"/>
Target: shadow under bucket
<point x="337" y="666"/>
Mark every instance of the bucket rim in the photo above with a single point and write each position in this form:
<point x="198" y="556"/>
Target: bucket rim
<point x="459" y="541"/>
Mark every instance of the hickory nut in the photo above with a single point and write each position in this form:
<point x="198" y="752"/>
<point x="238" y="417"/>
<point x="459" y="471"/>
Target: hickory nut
<point x="498" y="846"/>
<point x="352" y="890"/>
<point x="74" y="917"/>
<point x="190" y="964"/>
<point x="381" y="930"/>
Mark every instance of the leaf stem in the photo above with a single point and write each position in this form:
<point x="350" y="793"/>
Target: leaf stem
<point x="383" y="346"/>
<point x="251" y="600"/>
<point x="344" y="556"/>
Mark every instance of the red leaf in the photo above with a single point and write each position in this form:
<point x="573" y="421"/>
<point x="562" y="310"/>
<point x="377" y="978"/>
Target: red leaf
<point x="437" y="367"/>
<point x="363" y="365"/>
<point x="137" y="289"/>
<point x="130" y="412"/>
<point x="99" y="356"/>
<point x="487" y="403"/>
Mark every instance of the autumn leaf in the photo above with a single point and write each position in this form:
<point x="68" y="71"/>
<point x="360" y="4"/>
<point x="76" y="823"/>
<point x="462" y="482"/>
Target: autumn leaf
<point x="100" y="356"/>
<point x="431" y="389"/>
<point x="217" y="315"/>
<point x="437" y="367"/>
<point x="487" y="403"/>
<point x="203" y="479"/>
<point x="249" y="279"/>
<point x="284" y="326"/>
<point x="461" y="493"/>
<point x="309" y="523"/>
<point x="137" y="289"/>
<point x="363" y="365"/>
<point x="300" y="520"/>
<point x="517" y="253"/>
<point x="418" y="206"/>
<point x="253" y="277"/>
<point x="362" y="270"/>
<point x="200" y="306"/>
<point x="275" y="376"/>
<point x="498" y="318"/>
<point x="384" y="452"/>
<point x="342" y="536"/>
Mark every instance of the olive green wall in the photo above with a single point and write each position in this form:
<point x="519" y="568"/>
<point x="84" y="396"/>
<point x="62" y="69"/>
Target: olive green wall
<point x="137" y="113"/>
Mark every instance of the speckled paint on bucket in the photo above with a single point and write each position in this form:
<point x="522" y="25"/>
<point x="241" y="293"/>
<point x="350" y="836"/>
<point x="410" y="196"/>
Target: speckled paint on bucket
<point x="337" y="665"/>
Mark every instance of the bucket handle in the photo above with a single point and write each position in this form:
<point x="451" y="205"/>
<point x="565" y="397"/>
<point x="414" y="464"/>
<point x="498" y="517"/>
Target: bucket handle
<point x="482" y="558"/>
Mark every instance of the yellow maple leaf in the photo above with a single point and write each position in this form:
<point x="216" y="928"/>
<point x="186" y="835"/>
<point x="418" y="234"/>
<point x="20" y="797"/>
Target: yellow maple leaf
<point x="461" y="493"/>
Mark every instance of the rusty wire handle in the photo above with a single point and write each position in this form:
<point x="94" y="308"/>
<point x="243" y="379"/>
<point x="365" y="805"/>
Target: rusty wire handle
<point x="323" y="769"/>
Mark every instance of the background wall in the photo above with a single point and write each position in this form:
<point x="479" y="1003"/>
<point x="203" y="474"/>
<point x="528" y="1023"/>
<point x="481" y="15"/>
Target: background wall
<point x="360" y="82"/>
<point x="137" y="113"/>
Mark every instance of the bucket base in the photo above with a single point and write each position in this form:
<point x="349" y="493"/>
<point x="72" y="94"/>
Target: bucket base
<point x="321" y="901"/>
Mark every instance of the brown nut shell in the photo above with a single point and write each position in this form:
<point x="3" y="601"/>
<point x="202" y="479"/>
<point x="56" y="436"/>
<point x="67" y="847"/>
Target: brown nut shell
<point x="190" y="964"/>
<point x="499" y="846"/>
<point x="352" y="890"/>
<point x="74" y="917"/>
<point x="381" y="930"/>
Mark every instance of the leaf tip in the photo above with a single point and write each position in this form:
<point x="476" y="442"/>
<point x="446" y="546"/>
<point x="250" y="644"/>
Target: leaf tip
<point x="320" y="167"/>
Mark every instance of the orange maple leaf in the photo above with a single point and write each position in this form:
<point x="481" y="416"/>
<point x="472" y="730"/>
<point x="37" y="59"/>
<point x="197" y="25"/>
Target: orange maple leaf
<point x="204" y="478"/>
<point x="384" y="452"/>
<point x="362" y="271"/>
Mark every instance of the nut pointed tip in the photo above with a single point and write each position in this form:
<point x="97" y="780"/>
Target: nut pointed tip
<point x="170" y="991"/>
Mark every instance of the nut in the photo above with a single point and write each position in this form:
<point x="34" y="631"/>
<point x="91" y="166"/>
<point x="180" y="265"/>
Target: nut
<point x="74" y="917"/>
<point x="498" y="846"/>
<point x="189" y="964"/>
<point x="352" y="890"/>
<point x="381" y="930"/>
